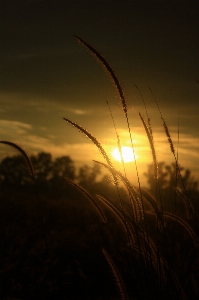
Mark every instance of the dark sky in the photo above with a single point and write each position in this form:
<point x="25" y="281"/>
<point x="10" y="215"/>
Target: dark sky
<point x="47" y="75"/>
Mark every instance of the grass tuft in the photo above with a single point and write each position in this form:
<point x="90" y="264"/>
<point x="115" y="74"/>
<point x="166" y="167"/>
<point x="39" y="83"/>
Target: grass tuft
<point x="149" y="241"/>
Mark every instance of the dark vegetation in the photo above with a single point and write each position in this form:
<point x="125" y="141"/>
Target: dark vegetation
<point x="76" y="234"/>
<point x="67" y="235"/>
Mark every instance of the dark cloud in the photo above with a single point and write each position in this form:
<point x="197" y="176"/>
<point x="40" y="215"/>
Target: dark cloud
<point x="38" y="52"/>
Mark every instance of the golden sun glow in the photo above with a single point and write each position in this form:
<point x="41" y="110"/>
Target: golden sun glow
<point x="127" y="154"/>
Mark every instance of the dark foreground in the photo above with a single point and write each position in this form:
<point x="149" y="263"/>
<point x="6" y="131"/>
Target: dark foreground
<point x="64" y="259"/>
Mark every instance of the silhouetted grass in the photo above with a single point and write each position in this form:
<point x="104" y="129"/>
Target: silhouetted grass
<point x="141" y="251"/>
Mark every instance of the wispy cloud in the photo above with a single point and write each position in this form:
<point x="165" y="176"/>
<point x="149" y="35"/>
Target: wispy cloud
<point x="23" y="134"/>
<point x="77" y="111"/>
<point x="13" y="127"/>
<point x="13" y="101"/>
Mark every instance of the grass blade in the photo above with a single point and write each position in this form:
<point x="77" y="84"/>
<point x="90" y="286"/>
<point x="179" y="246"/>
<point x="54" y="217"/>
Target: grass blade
<point x="117" y="276"/>
<point x="23" y="153"/>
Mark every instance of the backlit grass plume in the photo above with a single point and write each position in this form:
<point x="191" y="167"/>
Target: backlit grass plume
<point x="117" y="276"/>
<point x="109" y="69"/>
<point x="151" y="246"/>
<point x="119" y="90"/>
<point x="96" y="142"/>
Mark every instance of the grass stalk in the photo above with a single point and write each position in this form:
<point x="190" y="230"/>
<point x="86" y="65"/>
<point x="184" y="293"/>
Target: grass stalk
<point x="30" y="166"/>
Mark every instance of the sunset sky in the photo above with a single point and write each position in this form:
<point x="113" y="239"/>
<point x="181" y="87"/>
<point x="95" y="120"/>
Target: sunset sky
<point x="45" y="75"/>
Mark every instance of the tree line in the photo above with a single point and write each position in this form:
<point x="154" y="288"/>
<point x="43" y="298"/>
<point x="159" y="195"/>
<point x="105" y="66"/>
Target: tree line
<point x="50" y="174"/>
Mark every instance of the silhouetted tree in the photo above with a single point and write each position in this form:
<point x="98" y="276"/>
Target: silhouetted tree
<point x="14" y="171"/>
<point x="162" y="179"/>
<point x="64" y="167"/>
<point x="43" y="166"/>
<point x="94" y="181"/>
<point x="88" y="175"/>
<point x="188" y="180"/>
<point x="169" y="179"/>
<point x="50" y="174"/>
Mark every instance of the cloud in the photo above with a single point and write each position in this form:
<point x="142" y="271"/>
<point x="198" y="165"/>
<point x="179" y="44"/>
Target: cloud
<point x="11" y="101"/>
<point x="23" y="135"/>
<point x="13" y="127"/>
<point x="77" y="111"/>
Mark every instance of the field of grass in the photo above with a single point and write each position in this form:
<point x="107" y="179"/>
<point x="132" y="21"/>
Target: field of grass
<point x="92" y="246"/>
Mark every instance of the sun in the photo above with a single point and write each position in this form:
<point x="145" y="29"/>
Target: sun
<point x="127" y="154"/>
